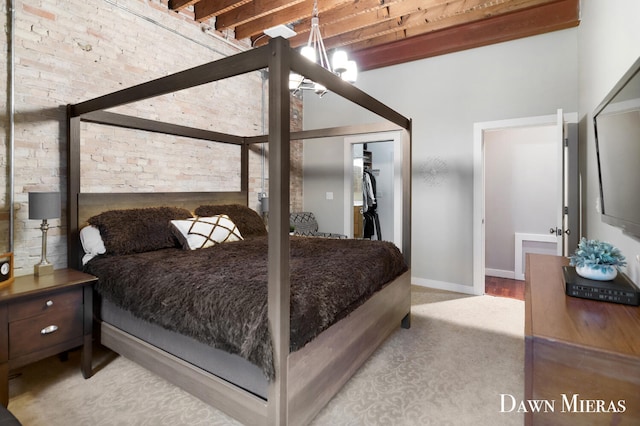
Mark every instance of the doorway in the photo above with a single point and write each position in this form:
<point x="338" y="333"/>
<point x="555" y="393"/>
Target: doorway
<point x="536" y="237"/>
<point x="372" y="189"/>
<point x="521" y="193"/>
<point x="381" y="153"/>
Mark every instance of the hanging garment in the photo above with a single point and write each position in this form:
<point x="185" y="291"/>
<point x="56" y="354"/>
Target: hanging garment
<point x="368" y="191"/>
<point x="371" y="221"/>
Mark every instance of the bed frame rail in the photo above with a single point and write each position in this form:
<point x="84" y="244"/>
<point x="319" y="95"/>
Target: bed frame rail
<point x="239" y="404"/>
<point x="319" y="370"/>
<point x="316" y="372"/>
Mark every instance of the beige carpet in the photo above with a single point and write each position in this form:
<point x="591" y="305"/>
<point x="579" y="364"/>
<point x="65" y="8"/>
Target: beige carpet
<point x="450" y="368"/>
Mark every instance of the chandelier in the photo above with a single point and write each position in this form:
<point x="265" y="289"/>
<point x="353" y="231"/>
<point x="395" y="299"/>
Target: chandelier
<point x="316" y="52"/>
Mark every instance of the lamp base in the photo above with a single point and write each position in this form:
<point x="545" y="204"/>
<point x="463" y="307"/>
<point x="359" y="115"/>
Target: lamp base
<point x="43" y="269"/>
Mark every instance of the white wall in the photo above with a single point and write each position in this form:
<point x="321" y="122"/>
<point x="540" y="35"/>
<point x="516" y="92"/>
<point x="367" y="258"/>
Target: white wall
<point x="325" y="176"/>
<point x="445" y="96"/>
<point x="608" y="45"/>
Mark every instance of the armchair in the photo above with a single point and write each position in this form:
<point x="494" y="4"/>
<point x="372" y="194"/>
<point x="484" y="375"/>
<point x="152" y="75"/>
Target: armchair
<point x="305" y="223"/>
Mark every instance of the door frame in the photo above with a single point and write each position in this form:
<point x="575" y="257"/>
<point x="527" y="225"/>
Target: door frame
<point x="395" y="137"/>
<point x="478" y="181"/>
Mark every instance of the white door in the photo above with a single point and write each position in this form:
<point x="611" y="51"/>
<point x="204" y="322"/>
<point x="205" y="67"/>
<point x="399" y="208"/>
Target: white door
<point x="567" y="228"/>
<point x="559" y="227"/>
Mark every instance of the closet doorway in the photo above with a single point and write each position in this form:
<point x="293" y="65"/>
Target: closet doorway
<point x="379" y="155"/>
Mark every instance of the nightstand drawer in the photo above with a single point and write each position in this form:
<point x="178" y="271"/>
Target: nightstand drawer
<point x="61" y="301"/>
<point x="42" y="331"/>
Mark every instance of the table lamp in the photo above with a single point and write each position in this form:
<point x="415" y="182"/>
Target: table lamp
<point x="44" y="205"/>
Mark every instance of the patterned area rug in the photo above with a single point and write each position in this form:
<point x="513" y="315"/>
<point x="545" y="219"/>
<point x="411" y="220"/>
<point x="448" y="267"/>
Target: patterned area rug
<point x="461" y="353"/>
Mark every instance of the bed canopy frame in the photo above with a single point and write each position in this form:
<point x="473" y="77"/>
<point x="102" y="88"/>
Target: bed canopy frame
<point x="279" y="59"/>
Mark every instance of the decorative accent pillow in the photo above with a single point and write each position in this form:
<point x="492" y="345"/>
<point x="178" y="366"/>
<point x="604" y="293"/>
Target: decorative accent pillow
<point x="202" y="232"/>
<point x="247" y="220"/>
<point x="138" y="230"/>
<point x="92" y="243"/>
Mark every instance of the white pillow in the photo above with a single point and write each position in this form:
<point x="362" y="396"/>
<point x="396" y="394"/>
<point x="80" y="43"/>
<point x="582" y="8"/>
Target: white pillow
<point x="92" y="243"/>
<point x="202" y="232"/>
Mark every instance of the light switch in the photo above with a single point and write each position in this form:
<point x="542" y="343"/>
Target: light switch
<point x="329" y="195"/>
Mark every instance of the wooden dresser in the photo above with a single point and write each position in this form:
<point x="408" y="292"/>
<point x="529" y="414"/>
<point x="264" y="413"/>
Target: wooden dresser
<point x="578" y="347"/>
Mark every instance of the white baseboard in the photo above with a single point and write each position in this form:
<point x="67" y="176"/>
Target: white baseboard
<point x="500" y="273"/>
<point x="443" y="285"/>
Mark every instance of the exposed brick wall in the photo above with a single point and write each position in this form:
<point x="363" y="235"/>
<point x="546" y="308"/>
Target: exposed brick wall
<point x="67" y="52"/>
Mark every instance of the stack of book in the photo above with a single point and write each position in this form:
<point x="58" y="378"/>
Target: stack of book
<point x="619" y="290"/>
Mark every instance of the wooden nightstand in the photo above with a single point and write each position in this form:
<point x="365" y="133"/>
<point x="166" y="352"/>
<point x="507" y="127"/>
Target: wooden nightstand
<point x="43" y="316"/>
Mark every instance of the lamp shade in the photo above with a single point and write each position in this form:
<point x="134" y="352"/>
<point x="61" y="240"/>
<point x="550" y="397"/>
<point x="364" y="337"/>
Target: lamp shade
<point x="44" y="205"/>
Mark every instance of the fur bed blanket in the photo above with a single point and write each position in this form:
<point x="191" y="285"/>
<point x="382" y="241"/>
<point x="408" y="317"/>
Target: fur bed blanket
<point x="218" y="295"/>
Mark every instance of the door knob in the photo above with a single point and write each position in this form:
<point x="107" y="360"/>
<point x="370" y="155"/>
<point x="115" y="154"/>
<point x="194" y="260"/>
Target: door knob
<point x="556" y="231"/>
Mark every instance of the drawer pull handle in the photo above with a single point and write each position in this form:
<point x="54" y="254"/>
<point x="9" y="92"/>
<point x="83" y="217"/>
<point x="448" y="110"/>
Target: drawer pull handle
<point x="48" y="330"/>
<point x="49" y="303"/>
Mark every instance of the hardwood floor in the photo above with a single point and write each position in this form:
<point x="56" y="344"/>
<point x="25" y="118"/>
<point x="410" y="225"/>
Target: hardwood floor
<point x="504" y="287"/>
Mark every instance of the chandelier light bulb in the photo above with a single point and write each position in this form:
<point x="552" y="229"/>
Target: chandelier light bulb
<point x="309" y="52"/>
<point x="340" y="61"/>
<point x="351" y="72"/>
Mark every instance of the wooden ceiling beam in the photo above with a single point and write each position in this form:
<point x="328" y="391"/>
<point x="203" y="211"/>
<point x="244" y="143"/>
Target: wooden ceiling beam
<point x="344" y="19"/>
<point x="177" y="5"/>
<point x="377" y="22"/>
<point x="407" y="27"/>
<point x="544" y="18"/>
<point x="205" y="9"/>
<point x="424" y="21"/>
<point x="340" y="19"/>
<point x="357" y="22"/>
<point x="297" y="14"/>
<point x="250" y="11"/>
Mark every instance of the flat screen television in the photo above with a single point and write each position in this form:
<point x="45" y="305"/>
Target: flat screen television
<point x="617" y="131"/>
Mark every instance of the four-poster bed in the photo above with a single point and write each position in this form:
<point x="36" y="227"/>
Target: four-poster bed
<point x="305" y="380"/>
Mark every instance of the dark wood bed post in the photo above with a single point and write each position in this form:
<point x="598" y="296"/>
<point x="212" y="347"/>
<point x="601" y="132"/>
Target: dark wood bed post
<point x="406" y="204"/>
<point x="244" y="170"/>
<point x="278" y="267"/>
<point x="73" y="189"/>
<point x="406" y="199"/>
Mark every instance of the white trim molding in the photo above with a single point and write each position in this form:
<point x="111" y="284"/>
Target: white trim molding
<point x="443" y="285"/>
